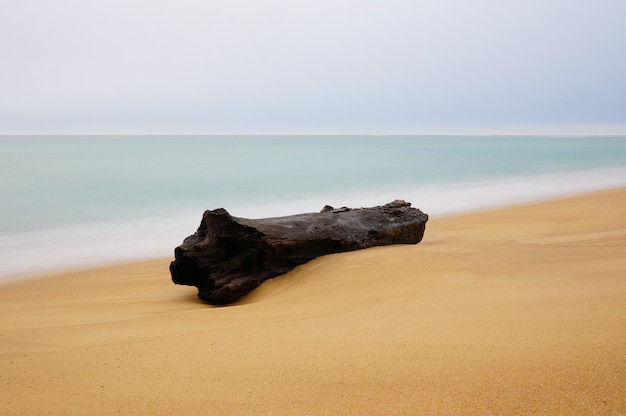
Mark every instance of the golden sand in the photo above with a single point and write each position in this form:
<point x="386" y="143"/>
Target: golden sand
<point x="511" y="311"/>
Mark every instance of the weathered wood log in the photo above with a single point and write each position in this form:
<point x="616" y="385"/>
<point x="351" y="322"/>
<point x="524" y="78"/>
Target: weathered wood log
<point x="228" y="257"/>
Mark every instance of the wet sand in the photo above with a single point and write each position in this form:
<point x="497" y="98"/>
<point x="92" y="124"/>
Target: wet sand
<point x="511" y="311"/>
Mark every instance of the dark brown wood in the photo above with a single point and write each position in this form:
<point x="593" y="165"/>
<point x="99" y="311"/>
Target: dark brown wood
<point x="228" y="256"/>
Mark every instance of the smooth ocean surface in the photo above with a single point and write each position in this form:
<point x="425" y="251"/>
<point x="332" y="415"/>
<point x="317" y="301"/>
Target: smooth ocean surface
<point x="76" y="201"/>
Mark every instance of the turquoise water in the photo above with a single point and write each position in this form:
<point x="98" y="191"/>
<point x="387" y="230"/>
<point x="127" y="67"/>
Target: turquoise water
<point x="70" y="201"/>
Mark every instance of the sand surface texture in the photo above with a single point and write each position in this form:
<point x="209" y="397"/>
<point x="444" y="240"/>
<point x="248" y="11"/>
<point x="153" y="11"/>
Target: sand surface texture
<point x="513" y="311"/>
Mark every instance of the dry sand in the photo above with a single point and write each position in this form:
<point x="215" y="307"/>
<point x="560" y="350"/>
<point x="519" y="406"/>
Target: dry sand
<point x="512" y="311"/>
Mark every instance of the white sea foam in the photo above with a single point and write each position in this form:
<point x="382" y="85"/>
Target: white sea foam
<point x="459" y="197"/>
<point x="85" y="245"/>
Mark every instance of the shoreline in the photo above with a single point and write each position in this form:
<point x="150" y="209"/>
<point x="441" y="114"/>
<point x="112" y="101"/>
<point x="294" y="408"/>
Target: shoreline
<point x="85" y="268"/>
<point x="69" y="248"/>
<point x="516" y="310"/>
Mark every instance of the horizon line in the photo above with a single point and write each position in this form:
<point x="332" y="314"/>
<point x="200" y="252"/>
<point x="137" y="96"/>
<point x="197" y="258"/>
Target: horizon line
<point x="536" y="130"/>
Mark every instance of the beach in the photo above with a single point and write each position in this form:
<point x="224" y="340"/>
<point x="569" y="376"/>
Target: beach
<point x="512" y="311"/>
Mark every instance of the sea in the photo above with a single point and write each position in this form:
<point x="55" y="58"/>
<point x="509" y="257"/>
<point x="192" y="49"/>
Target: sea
<point x="78" y="201"/>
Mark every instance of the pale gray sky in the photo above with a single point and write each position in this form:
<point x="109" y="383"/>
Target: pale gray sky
<point x="341" y="66"/>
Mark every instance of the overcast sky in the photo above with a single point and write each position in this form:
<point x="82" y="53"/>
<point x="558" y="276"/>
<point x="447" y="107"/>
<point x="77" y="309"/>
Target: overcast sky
<point x="340" y="66"/>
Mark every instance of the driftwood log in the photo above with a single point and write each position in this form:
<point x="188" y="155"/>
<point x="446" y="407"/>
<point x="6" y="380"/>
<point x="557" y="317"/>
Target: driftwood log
<point x="228" y="257"/>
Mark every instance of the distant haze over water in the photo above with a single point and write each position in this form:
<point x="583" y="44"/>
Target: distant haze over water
<point x="71" y="201"/>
